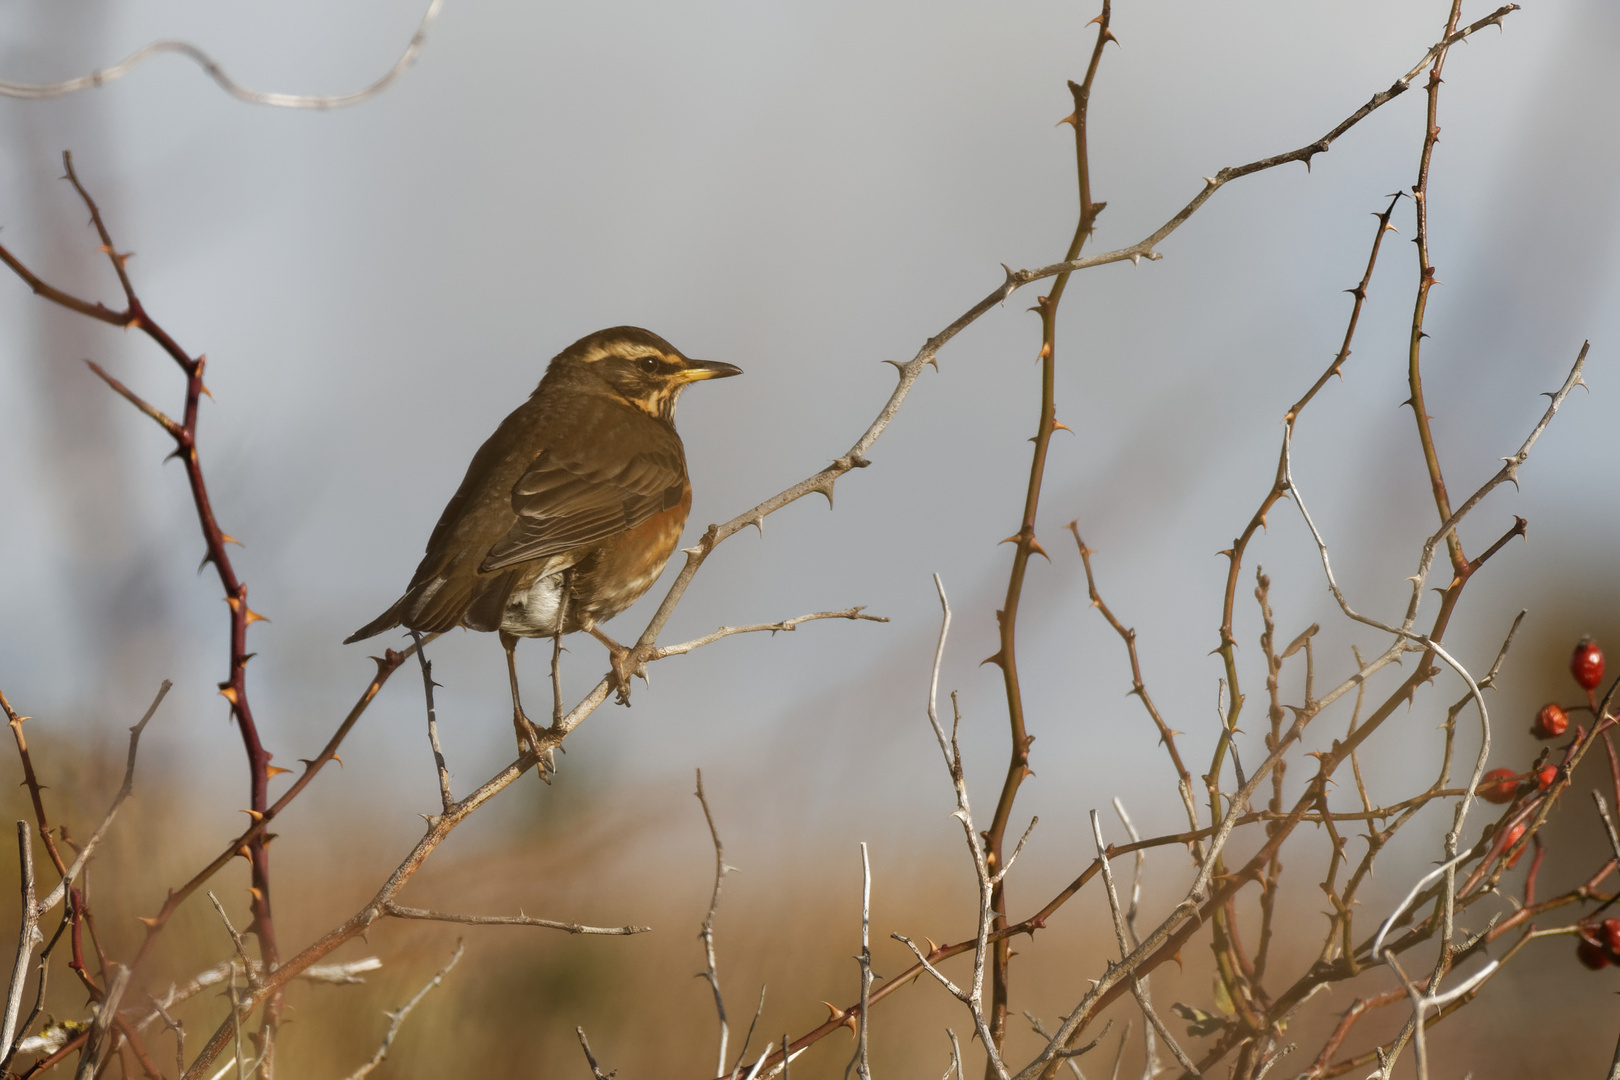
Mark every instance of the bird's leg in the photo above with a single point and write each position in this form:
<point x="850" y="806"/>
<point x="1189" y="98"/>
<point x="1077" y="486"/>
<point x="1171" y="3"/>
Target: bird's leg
<point x="556" y="677"/>
<point x="528" y="739"/>
<point x="563" y="597"/>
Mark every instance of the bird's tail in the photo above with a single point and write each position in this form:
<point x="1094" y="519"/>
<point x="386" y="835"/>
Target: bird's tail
<point x="386" y="621"/>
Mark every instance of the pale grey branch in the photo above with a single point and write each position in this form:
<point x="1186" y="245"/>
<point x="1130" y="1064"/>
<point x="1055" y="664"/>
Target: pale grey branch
<point x="91" y="1054"/>
<point x="710" y="972"/>
<point x="26" y="933"/>
<point x="785" y="625"/>
<point x="399" y="911"/>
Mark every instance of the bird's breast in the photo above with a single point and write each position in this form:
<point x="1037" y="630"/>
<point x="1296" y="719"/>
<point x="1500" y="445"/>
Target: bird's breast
<point x="602" y="579"/>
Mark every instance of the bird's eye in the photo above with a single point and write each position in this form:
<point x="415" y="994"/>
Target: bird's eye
<point x="649" y="364"/>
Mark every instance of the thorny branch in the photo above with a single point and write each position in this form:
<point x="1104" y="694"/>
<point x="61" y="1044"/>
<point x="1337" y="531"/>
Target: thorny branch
<point x="184" y="434"/>
<point x="1025" y="545"/>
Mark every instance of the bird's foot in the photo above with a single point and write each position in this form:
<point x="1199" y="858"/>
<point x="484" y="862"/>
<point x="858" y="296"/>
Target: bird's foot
<point x="622" y="670"/>
<point x="620" y="657"/>
<point x="528" y="743"/>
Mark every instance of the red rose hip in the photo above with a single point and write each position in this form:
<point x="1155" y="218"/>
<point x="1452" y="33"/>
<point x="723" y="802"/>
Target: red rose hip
<point x="1591" y="955"/>
<point x="1498" y="786"/>
<point x="1609" y="935"/>
<point x="1514" y="835"/>
<point x="1587" y="664"/>
<point x="1545" y="777"/>
<point x="1551" y="722"/>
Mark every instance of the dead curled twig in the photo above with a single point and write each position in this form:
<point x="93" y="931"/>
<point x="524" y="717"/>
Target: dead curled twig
<point x="212" y="68"/>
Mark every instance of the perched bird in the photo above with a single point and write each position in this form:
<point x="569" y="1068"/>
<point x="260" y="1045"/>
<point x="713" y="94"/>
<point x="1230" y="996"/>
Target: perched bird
<point x="569" y="511"/>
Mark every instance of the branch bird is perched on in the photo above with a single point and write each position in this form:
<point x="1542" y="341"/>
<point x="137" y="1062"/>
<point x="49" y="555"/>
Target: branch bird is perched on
<point x="569" y="511"/>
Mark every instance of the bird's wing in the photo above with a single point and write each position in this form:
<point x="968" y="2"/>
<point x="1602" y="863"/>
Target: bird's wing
<point x="587" y="490"/>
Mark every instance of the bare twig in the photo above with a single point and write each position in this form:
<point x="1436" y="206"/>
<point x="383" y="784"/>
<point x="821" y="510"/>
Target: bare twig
<point x="972" y="997"/>
<point x="396" y="1019"/>
<point x="399" y="911"/>
<point x="26" y="933"/>
<point x="104" y="1020"/>
<point x="445" y="798"/>
<point x="211" y="67"/>
<point x="1138" y="687"/>
<point x="54" y="897"/>
<point x="748" y="1037"/>
<point x="590" y="1058"/>
<point x="709" y="972"/>
<point x="236" y="940"/>
<point x="759" y="1063"/>
<point x="1072" y="1056"/>
<point x="863" y="1067"/>
<point x="1608" y="824"/>
<point x="1119" y="1055"/>
<point x="1125" y="940"/>
<point x="785" y="625"/>
<point x="179" y="1030"/>
<point x="1150" y="1055"/>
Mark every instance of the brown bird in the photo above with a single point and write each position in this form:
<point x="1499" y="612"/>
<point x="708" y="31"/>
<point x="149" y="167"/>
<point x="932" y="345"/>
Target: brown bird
<point x="569" y="511"/>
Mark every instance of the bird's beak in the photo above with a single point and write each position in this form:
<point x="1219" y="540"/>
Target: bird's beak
<point x="708" y="369"/>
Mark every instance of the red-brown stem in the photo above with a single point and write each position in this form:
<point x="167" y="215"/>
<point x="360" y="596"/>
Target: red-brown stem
<point x="387" y="664"/>
<point x="1026" y="544"/>
<point x="1426" y="281"/>
<point x="234" y="687"/>
<point x="1276" y="715"/>
<point x="1357" y="1009"/>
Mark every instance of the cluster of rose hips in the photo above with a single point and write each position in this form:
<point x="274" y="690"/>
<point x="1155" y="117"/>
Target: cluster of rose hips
<point x="1587" y="667"/>
<point x="1599" y="941"/>
<point x="1502" y="785"/>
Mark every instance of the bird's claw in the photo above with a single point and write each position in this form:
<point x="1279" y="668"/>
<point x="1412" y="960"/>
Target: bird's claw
<point x="622" y="671"/>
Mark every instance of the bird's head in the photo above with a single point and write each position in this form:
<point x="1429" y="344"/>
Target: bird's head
<point x="636" y="366"/>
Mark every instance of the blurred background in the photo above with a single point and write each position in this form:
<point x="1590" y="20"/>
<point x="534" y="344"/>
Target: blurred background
<point x="805" y="190"/>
